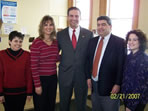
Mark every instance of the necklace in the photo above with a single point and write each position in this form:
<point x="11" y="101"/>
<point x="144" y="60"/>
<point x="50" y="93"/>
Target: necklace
<point x="47" y="40"/>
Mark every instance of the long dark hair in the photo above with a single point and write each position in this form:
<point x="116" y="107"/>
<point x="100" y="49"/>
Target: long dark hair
<point x="141" y="38"/>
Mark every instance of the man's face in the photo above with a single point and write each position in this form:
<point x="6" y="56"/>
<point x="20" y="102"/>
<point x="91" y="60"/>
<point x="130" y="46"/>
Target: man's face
<point x="74" y="18"/>
<point x="103" y="28"/>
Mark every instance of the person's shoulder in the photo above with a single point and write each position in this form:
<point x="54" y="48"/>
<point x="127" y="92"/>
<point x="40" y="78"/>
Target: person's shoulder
<point x="55" y="41"/>
<point x="85" y="30"/>
<point x="36" y="41"/>
<point x="94" y="39"/>
<point x="62" y="31"/>
<point x="25" y="52"/>
<point x="3" y="51"/>
<point x="117" y="38"/>
<point x="145" y="56"/>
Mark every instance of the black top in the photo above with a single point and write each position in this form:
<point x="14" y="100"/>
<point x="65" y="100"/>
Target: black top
<point x="14" y="53"/>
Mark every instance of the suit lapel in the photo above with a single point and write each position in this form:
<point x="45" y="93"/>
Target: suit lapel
<point x="79" y="39"/>
<point x="67" y="39"/>
<point x="94" y="45"/>
<point x="108" y="49"/>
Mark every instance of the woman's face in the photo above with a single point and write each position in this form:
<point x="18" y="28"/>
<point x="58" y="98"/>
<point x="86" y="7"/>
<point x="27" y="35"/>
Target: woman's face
<point x="133" y="43"/>
<point x="16" y="43"/>
<point x="48" y="28"/>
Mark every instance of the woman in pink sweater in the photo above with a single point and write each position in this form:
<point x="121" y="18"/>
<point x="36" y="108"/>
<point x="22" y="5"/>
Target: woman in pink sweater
<point x="44" y="55"/>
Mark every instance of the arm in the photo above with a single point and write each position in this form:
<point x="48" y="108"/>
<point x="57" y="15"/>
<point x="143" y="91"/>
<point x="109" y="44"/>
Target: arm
<point x="59" y="47"/>
<point x="115" y="89"/>
<point x="35" y="53"/>
<point x="120" y="63"/>
<point x="88" y="66"/>
<point x="58" y="37"/>
<point x="29" y="98"/>
<point x="28" y="76"/>
<point x="91" y="36"/>
<point x="2" y="99"/>
<point x="1" y="77"/>
<point x="88" y="62"/>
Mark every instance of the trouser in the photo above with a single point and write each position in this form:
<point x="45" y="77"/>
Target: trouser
<point x="14" y="102"/>
<point x="140" y="107"/>
<point x="46" y="101"/>
<point x="103" y="103"/>
<point x="80" y="92"/>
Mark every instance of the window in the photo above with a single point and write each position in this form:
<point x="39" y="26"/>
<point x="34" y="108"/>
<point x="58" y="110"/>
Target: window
<point x="84" y="6"/>
<point x="121" y="13"/>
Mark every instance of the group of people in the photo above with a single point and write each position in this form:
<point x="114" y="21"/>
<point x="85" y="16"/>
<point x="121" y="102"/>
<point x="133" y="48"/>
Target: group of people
<point x="100" y="63"/>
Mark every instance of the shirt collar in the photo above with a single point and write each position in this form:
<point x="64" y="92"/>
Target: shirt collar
<point x="107" y="36"/>
<point x="77" y="29"/>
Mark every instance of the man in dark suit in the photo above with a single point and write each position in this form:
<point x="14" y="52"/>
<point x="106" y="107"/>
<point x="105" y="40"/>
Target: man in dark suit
<point x="105" y="75"/>
<point x="73" y="43"/>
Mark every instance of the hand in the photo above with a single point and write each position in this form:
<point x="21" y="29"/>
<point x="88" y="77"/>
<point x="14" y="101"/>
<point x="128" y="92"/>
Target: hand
<point x="38" y="90"/>
<point x="115" y="89"/>
<point x="127" y="109"/>
<point x="89" y="83"/>
<point x="2" y="99"/>
<point x="29" y="98"/>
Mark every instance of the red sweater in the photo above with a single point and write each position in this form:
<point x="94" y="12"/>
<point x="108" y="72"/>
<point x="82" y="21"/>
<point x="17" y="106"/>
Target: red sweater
<point x="43" y="59"/>
<point x="15" y="73"/>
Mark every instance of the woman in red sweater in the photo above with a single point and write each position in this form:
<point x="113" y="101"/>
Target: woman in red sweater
<point x="44" y="55"/>
<point x="15" y="74"/>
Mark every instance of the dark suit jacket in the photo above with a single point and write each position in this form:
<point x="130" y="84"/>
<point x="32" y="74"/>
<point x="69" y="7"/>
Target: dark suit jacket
<point x="72" y="62"/>
<point x="111" y="68"/>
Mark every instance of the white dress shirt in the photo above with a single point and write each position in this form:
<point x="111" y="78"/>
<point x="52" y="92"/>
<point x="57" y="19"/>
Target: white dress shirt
<point x="77" y="32"/>
<point x="105" y="42"/>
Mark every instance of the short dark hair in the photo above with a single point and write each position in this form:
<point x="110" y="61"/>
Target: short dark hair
<point x="141" y="38"/>
<point x="108" y="20"/>
<point x="14" y="34"/>
<point x="73" y="8"/>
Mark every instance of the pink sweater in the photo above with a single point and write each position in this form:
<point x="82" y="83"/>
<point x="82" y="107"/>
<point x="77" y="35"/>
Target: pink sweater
<point x="43" y="59"/>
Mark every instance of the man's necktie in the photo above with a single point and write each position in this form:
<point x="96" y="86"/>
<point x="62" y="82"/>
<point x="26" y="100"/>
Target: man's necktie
<point x="74" y="40"/>
<point x="97" y="58"/>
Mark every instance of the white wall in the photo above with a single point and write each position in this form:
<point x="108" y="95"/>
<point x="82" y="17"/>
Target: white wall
<point x="29" y="14"/>
<point x="143" y="16"/>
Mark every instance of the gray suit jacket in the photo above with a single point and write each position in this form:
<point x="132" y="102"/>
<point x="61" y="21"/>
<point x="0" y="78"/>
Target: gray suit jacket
<point x="72" y="62"/>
